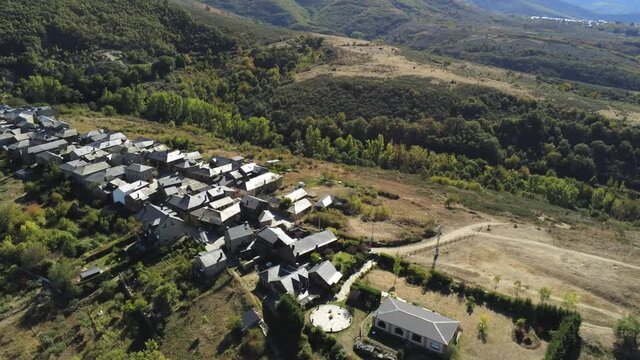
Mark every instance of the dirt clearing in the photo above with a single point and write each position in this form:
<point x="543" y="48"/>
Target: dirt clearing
<point x="365" y="58"/>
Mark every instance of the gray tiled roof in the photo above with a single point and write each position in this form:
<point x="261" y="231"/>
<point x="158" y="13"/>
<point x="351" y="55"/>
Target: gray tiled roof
<point x="289" y="278"/>
<point x="47" y="146"/>
<point x="273" y="234"/>
<point x="138" y="168"/>
<point x="417" y="320"/>
<point x="188" y="202"/>
<point x="329" y="274"/>
<point x="311" y="242"/>
<point x="240" y="231"/>
<point x="91" y="168"/>
<point x="212" y="258"/>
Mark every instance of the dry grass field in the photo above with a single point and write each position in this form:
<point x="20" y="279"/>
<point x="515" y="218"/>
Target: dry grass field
<point x="365" y="58"/>
<point x="499" y="344"/>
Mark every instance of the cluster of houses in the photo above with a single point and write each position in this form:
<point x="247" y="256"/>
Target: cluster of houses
<point x="222" y="202"/>
<point x="177" y="194"/>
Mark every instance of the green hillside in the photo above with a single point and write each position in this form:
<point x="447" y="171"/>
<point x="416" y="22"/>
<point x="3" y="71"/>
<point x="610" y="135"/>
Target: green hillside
<point x="466" y="31"/>
<point x="277" y="12"/>
<point x="73" y="25"/>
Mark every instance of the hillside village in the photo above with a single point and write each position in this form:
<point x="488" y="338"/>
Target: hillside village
<point x="219" y="202"/>
<point x="224" y="204"/>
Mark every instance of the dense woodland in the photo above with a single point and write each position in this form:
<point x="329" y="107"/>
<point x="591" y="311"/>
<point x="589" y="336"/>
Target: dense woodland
<point x="496" y="141"/>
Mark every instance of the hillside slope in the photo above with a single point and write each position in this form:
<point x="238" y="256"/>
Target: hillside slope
<point x="471" y="32"/>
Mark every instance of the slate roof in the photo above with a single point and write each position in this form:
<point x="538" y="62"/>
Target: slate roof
<point x="250" y="319"/>
<point x="217" y="217"/>
<point x="299" y="207"/>
<point x="221" y="203"/>
<point x="296" y="195"/>
<point x="212" y="258"/>
<point x="90" y="272"/>
<point x="46" y="146"/>
<point x="274" y="234"/>
<point x="195" y="155"/>
<point x="143" y="143"/>
<point x="266" y="216"/>
<point x="72" y="165"/>
<point x="313" y="241"/>
<point x="252" y="202"/>
<point x="167" y="156"/>
<point x="90" y="169"/>
<point x="187" y="202"/>
<point x="261" y="180"/>
<point x="67" y="133"/>
<point x="239" y="232"/>
<point x="329" y="274"/>
<point x="417" y="320"/>
<point x="153" y="215"/>
<point x="325" y="202"/>
<point x="139" y="168"/>
<point x="49" y="156"/>
<point x="290" y="278"/>
<point x="106" y="175"/>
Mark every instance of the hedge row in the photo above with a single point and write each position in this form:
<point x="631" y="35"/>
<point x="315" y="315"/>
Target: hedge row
<point x="547" y="317"/>
<point x="368" y="298"/>
<point x="566" y="340"/>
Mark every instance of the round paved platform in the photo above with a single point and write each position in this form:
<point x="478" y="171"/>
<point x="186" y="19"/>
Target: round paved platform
<point x="331" y="318"/>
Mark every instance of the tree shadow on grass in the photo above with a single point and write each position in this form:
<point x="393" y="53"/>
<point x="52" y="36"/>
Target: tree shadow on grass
<point x="229" y="340"/>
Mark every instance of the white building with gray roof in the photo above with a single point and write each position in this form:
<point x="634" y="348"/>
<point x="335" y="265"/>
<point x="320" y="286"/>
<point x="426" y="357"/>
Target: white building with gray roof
<point x="418" y="326"/>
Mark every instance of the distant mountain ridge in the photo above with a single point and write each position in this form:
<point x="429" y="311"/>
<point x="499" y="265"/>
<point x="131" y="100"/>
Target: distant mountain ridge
<point x="619" y="10"/>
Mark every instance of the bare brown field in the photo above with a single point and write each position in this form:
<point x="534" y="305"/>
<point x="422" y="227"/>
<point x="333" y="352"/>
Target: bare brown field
<point x="499" y="344"/>
<point x="369" y="59"/>
<point x="606" y="283"/>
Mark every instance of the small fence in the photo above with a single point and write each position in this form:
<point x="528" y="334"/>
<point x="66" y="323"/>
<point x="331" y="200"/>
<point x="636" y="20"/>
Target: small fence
<point x="431" y="247"/>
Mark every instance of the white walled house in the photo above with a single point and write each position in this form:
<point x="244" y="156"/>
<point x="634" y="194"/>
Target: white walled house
<point x="420" y="327"/>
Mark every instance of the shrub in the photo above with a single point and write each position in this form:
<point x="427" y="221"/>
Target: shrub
<point x="389" y="195"/>
<point x="566" y="340"/>
<point x="329" y="218"/>
<point x="253" y="345"/>
<point x="368" y="298"/>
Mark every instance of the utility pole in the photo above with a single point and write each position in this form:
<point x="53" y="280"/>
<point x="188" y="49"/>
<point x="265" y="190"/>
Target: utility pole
<point x="373" y="224"/>
<point x="435" y="257"/>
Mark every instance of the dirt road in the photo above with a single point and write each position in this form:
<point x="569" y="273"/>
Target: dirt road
<point x="449" y="237"/>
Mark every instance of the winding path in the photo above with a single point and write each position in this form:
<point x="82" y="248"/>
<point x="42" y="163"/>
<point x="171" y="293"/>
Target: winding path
<point x="452" y="236"/>
<point x="346" y="287"/>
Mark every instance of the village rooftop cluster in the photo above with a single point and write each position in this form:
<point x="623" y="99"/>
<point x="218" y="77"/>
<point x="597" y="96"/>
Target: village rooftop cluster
<point x="223" y="203"/>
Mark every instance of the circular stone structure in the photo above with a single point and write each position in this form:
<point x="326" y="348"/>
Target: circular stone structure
<point x="331" y="318"/>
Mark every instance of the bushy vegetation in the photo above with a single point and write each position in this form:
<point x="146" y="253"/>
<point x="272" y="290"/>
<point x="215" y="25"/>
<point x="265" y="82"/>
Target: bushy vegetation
<point x="565" y="341"/>
<point x="286" y="325"/>
<point x="569" y="158"/>
<point x="368" y="297"/>
<point x="325" y="344"/>
<point x="50" y="237"/>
